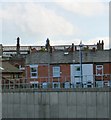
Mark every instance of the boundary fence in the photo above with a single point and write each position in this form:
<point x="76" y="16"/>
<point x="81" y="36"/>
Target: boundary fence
<point x="65" y="82"/>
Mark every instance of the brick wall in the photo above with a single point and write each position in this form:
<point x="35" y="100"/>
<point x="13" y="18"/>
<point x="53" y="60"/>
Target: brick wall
<point x="43" y="73"/>
<point x="106" y="71"/>
<point x="65" y="72"/>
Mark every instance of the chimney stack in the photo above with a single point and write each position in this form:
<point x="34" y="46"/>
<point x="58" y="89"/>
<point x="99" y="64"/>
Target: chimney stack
<point x="1" y="50"/>
<point x="48" y="45"/>
<point x="72" y="48"/>
<point x="100" y="45"/>
<point x="18" y="46"/>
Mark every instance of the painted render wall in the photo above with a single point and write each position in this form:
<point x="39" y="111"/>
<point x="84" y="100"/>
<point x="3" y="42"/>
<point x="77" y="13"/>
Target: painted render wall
<point x="87" y="72"/>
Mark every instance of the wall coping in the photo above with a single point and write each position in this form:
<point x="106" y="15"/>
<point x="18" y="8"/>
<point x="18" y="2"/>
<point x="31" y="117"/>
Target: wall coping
<point x="57" y="90"/>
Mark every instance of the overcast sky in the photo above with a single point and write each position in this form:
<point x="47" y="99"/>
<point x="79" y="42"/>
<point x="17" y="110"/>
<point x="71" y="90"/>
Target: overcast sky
<point x="62" y="21"/>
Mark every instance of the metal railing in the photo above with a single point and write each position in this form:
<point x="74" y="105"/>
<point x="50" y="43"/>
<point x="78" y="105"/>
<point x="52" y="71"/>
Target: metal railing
<point x="65" y="82"/>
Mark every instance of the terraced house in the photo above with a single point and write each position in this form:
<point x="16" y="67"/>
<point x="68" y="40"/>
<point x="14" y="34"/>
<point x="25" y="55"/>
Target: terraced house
<point x="61" y="65"/>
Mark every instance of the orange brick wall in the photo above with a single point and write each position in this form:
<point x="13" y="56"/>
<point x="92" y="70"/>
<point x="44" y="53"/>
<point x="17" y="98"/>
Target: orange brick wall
<point x="106" y="70"/>
<point x="27" y="72"/>
<point x="64" y="72"/>
<point x="43" y="73"/>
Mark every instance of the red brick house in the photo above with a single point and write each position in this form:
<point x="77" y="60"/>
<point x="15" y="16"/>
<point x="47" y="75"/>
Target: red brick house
<point x="47" y="67"/>
<point x="61" y="63"/>
<point x="55" y="65"/>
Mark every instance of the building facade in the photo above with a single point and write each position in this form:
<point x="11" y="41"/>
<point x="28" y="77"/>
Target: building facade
<point x="64" y="66"/>
<point x="61" y="64"/>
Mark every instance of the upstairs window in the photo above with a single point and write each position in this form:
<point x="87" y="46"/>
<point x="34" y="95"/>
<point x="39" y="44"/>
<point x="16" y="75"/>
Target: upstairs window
<point x="56" y="71"/>
<point x="34" y="71"/>
<point x="77" y="71"/>
<point x="99" y="70"/>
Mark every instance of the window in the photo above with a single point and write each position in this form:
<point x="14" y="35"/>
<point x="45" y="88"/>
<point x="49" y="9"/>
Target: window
<point x="99" y="84"/>
<point x="34" y="84"/>
<point x="77" y="71"/>
<point x="34" y="71"/>
<point x="99" y="70"/>
<point x="77" y="68"/>
<point x="56" y="71"/>
<point x="56" y="85"/>
<point x="44" y="85"/>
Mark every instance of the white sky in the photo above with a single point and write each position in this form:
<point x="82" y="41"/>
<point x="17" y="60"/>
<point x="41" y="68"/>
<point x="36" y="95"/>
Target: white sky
<point x="62" y="21"/>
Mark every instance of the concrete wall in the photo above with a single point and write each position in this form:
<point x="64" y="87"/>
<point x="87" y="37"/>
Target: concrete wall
<point x="76" y="103"/>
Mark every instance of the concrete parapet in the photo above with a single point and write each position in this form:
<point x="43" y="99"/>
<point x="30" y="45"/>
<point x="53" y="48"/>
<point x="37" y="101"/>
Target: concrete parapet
<point x="76" y="103"/>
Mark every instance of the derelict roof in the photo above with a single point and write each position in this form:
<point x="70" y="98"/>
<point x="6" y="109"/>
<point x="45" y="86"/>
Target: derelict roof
<point x="7" y="67"/>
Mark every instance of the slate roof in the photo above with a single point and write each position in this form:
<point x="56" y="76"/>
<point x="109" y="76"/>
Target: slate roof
<point x="7" y="67"/>
<point x="57" y="57"/>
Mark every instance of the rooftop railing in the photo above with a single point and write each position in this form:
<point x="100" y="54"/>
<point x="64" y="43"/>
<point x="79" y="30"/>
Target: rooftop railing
<point x="56" y="47"/>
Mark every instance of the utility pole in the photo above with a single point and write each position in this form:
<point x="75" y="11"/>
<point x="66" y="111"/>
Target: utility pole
<point x="47" y="46"/>
<point x="81" y="74"/>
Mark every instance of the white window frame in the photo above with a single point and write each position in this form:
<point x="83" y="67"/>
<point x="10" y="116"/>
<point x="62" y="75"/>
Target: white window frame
<point x="36" y="72"/>
<point x="56" y="73"/>
<point x="98" y="68"/>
